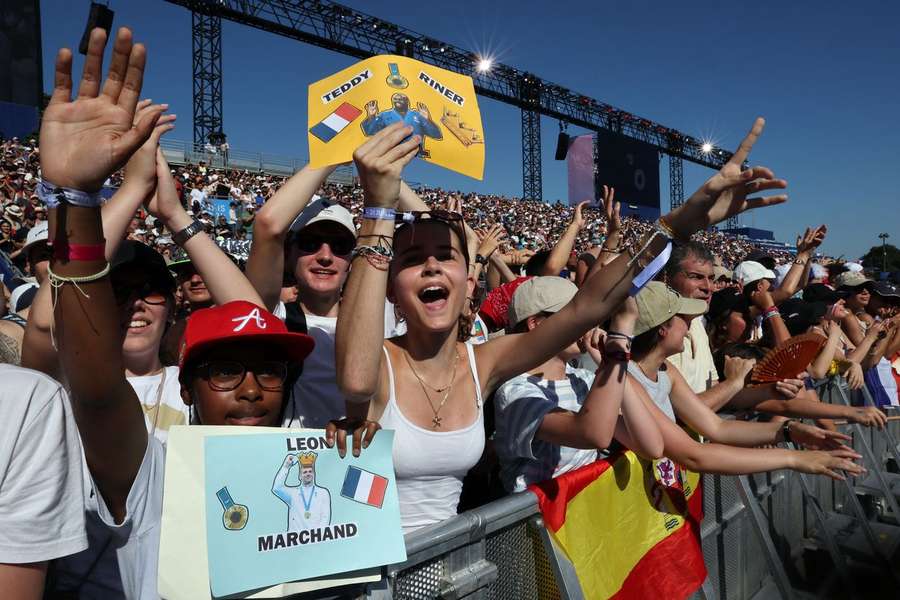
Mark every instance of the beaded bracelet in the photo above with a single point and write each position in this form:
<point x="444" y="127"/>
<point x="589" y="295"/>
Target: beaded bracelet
<point x="57" y="281"/>
<point x="770" y="312"/>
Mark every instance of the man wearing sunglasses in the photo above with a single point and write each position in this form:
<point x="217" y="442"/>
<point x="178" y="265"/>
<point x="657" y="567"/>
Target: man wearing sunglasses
<point x="144" y="290"/>
<point x="318" y="254"/>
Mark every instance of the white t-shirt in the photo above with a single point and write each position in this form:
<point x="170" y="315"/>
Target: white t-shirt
<point x="160" y="397"/>
<point x="123" y="559"/>
<point x="316" y="398"/>
<point x="520" y="406"/>
<point x="41" y="487"/>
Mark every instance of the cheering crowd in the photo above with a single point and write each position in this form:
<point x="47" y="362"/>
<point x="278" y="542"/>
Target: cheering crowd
<point x="552" y="336"/>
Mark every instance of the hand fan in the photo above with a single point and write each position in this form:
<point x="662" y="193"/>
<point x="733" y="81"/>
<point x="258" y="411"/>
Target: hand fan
<point x="788" y="359"/>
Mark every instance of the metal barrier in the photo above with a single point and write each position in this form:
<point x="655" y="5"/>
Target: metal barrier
<point x="764" y="536"/>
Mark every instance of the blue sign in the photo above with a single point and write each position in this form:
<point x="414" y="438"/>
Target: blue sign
<point x="283" y="507"/>
<point x="220" y="208"/>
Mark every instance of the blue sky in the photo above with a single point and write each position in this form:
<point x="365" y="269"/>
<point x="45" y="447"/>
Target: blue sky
<point x="824" y="74"/>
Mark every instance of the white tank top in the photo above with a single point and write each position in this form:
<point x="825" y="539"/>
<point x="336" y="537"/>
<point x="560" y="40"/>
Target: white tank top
<point x="430" y="465"/>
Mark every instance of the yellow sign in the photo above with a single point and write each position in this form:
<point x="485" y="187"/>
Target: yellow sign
<point x="358" y="102"/>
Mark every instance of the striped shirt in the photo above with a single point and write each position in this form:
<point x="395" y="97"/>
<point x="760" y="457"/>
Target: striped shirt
<point x="520" y="406"/>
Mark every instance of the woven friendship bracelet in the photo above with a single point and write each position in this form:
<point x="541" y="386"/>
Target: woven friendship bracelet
<point x="379" y="213"/>
<point x="52" y="195"/>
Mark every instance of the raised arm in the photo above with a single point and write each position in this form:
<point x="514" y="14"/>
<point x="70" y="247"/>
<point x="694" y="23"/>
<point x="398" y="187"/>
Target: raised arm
<point x="559" y="256"/>
<point x="139" y="181"/>
<point x="360" y="326"/>
<point x="222" y="277"/>
<point x="799" y="271"/>
<point x="265" y="267"/>
<point x="38" y="351"/>
<point x="722" y="196"/>
<point x="279" y="484"/>
<point x="488" y="241"/>
<point x="82" y="143"/>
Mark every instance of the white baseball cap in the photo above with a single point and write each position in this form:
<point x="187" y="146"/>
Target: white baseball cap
<point x="38" y="233"/>
<point x="749" y="271"/>
<point x="320" y="210"/>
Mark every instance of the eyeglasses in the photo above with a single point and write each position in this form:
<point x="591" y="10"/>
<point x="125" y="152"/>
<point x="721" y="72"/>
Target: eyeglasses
<point x="226" y="375"/>
<point x="146" y="292"/>
<point x="339" y="245"/>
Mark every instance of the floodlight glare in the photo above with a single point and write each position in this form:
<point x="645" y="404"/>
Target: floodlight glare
<point x="484" y="65"/>
<point x="706" y="147"/>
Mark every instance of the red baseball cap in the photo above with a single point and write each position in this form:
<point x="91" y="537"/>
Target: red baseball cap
<point x="240" y="320"/>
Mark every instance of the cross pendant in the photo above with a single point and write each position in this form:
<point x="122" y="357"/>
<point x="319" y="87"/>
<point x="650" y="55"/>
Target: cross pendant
<point x="436" y="421"/>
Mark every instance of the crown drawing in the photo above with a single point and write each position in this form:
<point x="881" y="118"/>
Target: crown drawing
<point x="307" y="459"/>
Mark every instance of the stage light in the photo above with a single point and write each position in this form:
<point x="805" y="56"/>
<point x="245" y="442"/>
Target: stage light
<point x="484" y="65"/>
<point x="706" y="148"/>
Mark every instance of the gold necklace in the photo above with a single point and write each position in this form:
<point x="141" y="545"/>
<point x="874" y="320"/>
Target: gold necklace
<point x="436" y="419"/>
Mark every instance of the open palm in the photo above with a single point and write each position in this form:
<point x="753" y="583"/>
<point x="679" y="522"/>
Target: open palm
<point x="725" y="194"/>
<point x="84" y="141"/>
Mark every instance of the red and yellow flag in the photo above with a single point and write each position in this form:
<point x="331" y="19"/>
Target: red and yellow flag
<point x="631" y="527"/>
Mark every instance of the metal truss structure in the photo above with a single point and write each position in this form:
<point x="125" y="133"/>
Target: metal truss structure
<point x="207" y="49"/>
<point x="336" y="27"/>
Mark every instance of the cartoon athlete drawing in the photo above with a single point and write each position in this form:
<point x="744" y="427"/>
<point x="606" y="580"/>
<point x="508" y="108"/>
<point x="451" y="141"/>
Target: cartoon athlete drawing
<point x="419" y="119"/>
<point x="309" y="505"/>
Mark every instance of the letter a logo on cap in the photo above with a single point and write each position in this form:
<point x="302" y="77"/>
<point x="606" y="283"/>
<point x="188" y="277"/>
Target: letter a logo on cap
<point x="253" y="315"/>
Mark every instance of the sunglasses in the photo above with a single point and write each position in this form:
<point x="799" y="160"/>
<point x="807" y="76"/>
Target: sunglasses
<point x="444" y="216"/>
<point x="146" y="292"/>
<point x="310" y="244"/>
<point x="227" y="375"/>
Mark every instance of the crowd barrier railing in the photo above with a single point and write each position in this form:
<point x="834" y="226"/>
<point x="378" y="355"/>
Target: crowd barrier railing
<point x="755" y="534"/>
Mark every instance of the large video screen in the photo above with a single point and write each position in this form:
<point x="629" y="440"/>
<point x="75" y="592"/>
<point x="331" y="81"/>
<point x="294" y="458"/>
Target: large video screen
<point x="630" y="166"/>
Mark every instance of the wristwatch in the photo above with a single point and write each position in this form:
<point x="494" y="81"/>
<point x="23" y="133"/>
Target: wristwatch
<point x="786" y="431"/>
<point x="481" y="260"/>
<point x="187" y="233"/>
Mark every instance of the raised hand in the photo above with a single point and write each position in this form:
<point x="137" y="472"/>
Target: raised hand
<point x="611" y="209"/>
<point x="380" y="161"/>
<point x="371" y="108"/>
<point x="811" y="239"/>
<point x="83" y="142"/>
<point x="490" y="239"/>
<point x="454" y="205"/>
<point x="423" y="110"/>
<point x="725" y="194"/>
<point x="578" y="219"/>
<point x="164" y="204"/>
<point x="141" y="167"/>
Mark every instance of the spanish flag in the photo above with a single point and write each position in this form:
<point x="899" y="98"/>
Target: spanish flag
<point x="631" y="527"/>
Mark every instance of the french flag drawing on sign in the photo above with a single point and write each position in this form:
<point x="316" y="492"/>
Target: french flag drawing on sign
<point x="334" y="123"/>
<point x="365" y="487"/>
